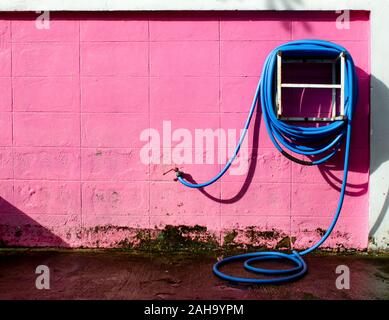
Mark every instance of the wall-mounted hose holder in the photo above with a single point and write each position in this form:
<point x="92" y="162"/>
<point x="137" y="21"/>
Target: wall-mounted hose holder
<point x="320" y="143"/>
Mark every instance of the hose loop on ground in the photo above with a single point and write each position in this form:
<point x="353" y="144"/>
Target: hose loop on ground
<point x="317" y="143"/>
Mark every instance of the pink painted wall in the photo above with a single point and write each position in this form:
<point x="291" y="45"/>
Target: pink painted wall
<point x="75" y="98"/>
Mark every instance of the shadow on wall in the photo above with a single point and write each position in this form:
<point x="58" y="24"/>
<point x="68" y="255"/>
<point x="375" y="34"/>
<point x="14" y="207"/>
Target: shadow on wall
<point x="18" y="230"/>
<point x="358" y="163"/>
<point x="251" y="170"/>
<point x="381" y="149"/>
<point x="330" y="171"/>
<point x="283" y="4"/>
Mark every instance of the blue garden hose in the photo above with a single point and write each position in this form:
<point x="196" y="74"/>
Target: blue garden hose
<point x="321" y="143"/>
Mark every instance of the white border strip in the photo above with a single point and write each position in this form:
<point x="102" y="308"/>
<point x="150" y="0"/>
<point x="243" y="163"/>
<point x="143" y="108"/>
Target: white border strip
<point x="154" y="5"/>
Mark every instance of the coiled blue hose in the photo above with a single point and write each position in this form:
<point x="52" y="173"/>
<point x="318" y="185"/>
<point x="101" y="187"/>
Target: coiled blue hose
<point x="320" y="142"/>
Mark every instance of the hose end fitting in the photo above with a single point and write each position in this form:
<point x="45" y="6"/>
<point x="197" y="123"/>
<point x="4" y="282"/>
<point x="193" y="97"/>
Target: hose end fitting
<point x="178" y="173"/>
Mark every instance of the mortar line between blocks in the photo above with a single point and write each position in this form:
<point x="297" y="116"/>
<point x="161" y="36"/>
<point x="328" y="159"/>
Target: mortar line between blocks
<point x="290" y="203"/>
<point x="12" y="114"/>
<point x="80" y="124"/>
<point x="291" y="166"/>
<point x="220" y="121"/>
<point x="149" y="118"/>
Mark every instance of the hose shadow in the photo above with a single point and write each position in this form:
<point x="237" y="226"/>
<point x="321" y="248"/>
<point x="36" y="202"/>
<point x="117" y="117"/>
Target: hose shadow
<point x="332" y="170"/>
<point x="379" y="156"/>
<point x="352" y="189"/>
<point x="381" y="216"/>
<point x="251" y="169"/>
<point x="332" y="173"/>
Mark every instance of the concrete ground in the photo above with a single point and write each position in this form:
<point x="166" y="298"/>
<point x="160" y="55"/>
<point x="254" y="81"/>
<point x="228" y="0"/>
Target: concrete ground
<point x="125" y="275"/>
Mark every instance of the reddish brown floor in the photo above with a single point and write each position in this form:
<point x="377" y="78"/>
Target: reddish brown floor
<point x="124" y="275"/>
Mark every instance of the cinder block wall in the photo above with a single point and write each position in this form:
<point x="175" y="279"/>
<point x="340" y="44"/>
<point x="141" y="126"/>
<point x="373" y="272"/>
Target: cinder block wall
<point x="76" y="98"/>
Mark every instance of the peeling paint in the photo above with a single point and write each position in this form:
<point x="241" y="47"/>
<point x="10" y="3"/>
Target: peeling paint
<point x="321" y="231"/>
<point x="181" y="238"/>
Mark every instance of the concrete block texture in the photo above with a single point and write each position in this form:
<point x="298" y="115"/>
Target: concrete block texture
<point x="96" y="108"/>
